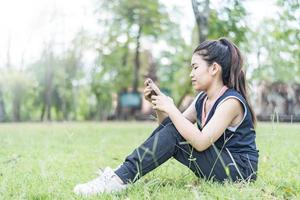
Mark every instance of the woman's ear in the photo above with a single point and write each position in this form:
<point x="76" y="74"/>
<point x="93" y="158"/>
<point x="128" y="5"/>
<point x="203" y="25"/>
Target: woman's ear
<point x="215" y="68"/>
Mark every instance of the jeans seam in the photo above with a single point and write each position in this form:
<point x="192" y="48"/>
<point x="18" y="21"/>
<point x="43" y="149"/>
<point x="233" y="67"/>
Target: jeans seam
<point x="151" y="163"/>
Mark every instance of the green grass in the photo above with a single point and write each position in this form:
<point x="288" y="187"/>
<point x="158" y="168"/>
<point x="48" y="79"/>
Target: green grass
<point x="45" y="161"/>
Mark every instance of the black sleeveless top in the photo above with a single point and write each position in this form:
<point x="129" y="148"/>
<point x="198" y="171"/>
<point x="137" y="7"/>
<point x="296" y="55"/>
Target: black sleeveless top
<point x="239" y="139"/>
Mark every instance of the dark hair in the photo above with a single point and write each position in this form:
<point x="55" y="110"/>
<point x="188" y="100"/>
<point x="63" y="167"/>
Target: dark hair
<point x="229" y="57"/>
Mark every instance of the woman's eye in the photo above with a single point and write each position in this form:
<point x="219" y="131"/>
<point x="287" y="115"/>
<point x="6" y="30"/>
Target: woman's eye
<point x="195" y="68"/>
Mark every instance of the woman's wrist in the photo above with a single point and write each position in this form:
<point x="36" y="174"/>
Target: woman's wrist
<point x="171" y="109"/>
<point x="160" y="116"/>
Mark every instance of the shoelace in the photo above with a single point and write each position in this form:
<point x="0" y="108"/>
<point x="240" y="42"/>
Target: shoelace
<point x="106" y="179"/>
<point x="97" y="181"/>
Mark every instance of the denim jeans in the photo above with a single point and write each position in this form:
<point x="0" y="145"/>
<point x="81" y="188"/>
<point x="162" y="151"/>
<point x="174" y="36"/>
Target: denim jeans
<point x="166" y="142"/>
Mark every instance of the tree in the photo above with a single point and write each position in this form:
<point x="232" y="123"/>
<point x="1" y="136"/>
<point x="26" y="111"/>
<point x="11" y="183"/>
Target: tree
<point x="228" y="20"/>
<point x="201" y="11"/>
<point x="126" y="24"/>
<point x="134" y="20"/>
<point x="43" y="70"/>
<point x="56" y="76"/>
<point x="2" y="107"/>
<point x="16" y="86"/>
<point x="278" y="45"/>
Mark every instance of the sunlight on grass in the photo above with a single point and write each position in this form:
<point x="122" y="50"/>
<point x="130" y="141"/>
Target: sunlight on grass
<point x="45" y="161"/>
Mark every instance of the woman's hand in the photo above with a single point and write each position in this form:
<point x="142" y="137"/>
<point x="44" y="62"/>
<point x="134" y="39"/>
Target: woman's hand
<point x="163" y="103"/>
<point x="159" y="101"/>
<point x="150" y="90"/>
<point x="147" y="93"/>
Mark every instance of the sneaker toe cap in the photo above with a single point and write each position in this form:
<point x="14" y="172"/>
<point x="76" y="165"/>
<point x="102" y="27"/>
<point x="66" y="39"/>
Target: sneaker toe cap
<point x="80" y="189"/>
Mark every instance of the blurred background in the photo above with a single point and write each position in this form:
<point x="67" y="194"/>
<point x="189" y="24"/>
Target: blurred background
<point x="78" y="60"/>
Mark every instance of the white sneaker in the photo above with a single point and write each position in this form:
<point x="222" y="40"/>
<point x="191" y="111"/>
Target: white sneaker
<point x="107" y="182"/>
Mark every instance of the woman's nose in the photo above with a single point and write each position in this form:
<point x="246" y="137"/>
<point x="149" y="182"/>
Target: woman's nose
<point x="191" y="74"/>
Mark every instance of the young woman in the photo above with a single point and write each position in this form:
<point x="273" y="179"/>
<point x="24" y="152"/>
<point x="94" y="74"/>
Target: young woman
<point x="221" y="147"/>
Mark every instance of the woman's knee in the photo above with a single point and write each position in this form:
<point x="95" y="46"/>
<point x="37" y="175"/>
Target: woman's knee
<point x="171" y="130"/>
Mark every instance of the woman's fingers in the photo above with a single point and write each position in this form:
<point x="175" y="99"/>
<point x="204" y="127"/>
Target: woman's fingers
<point x="155" y="88"/>
<point x="147" y="93"/>
<point x="148" y="81"/>
<point x="153" y="97"/>
<point x="153" y="102"/>
<point x="148" y="89"/>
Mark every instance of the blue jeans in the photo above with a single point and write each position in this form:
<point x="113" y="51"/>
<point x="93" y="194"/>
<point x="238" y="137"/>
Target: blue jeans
<point x="166" y="142"/>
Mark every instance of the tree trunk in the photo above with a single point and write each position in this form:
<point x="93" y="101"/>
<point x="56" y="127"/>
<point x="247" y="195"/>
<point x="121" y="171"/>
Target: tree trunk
<point x="43" y="112"/>
<point x="201" y="18"/>
<point x="16" y="108"/>
<point x="74" y="101"/>
<point x="64" y="108"/>
<point x="137" y="61"/>
<point x="186" y="92"/>
<point x="202" y="25"/>
<point x="8" y="61"/>
<point x="47" y="93"/>
<point x="152" y="72"/>
<point x="49" y="97"/>
<point x="2" y="107"/>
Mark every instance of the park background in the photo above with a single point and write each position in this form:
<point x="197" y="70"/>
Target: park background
<point x="73" y="61"/>
<point x="72" y="74"/>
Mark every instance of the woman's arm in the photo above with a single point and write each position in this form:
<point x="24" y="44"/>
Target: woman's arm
<point x="201" y="140"/>
<point x="190" y="113"/>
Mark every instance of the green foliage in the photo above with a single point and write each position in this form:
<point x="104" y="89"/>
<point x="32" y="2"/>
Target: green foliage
<point x="128" y="15"/>
<point x="127" y="18"/>
<point x="17" y="88"/>
<point x="174" y="69"/>
<point x="278" y="45"/>
<point x="229" y="21"/>
<point x="101" y="87"/>
<point x="58" y="79"/>
<point x="60" y="85"/>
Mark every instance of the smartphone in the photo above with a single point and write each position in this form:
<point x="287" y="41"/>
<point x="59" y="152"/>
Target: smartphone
<point x="152" y="92"/>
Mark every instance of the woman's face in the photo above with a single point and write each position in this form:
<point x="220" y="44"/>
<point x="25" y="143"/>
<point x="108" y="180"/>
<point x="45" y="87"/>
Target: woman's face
<point x="200" y="76"/>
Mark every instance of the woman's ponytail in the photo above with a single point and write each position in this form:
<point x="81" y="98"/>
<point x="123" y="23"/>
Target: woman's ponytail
<point x="237" y="77"/>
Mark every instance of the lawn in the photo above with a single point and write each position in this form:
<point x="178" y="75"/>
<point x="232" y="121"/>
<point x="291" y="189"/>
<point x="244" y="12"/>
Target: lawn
<point x="46" y="160"/>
